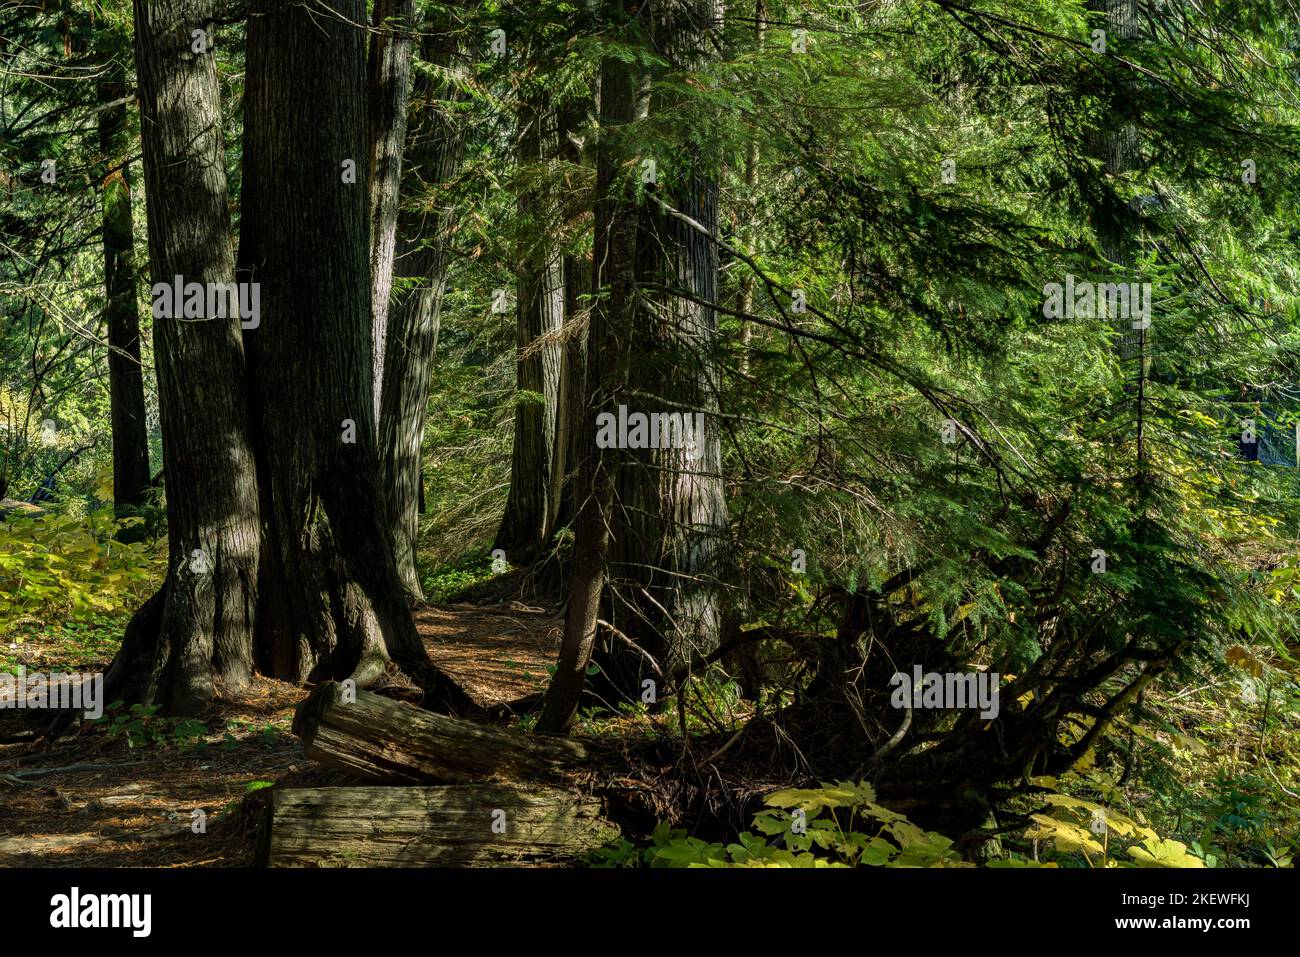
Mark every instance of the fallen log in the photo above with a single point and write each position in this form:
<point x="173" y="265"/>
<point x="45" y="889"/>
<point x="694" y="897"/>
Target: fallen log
<point x="19" y="509"/>
<point x="450" y="826"/>
<point x="378" y="739"/>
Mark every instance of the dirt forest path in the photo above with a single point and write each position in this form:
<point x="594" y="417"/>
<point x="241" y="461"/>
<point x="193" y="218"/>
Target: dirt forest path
<point x="91" y="799"/>
<point x="497" y="654"/>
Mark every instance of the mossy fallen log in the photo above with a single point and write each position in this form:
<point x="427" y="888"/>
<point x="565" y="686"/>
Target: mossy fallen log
<point x="459" y="825"/>
<point x="389" y="742"/>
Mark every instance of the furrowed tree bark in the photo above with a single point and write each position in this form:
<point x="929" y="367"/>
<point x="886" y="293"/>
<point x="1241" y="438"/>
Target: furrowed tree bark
<point x="525" y="526"/>
<point x="199" y="628"/>
<point x="623" y="101"/>
<point x="389" y="89"/>
<point x="125" y="373"/>
<point x="671" y="521"/>
<point x="385" y="741"/>
<point x="453" y="826"/>
<point x="425" y="224"/>
<point x="333" y="601"/>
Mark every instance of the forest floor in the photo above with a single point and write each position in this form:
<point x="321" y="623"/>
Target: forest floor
<point x="125" y="791"/>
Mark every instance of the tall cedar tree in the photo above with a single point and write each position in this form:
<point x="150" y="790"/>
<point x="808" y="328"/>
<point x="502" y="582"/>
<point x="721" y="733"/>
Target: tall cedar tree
<point x="434" y="149"/>
<point x="199" y="627"/>
<point x="334" y="605"/>
<point x="389" y="88"/>
<point x="125" y="373"/>
<point x="526" y="525"/>
<point x="670" y="519"/>
<point x="624" y="100"/>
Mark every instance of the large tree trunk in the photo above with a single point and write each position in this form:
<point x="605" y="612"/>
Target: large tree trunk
<point x="334" y="606"/>
<point x="525" y="527"/>
<point x="199" y="628"/>
<point x="423" y="237"/>
<point x="389" y="91"/>
<point x="125" y="374"/>
<point x="671" y="520"/>
<point x="623" y="101"/>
